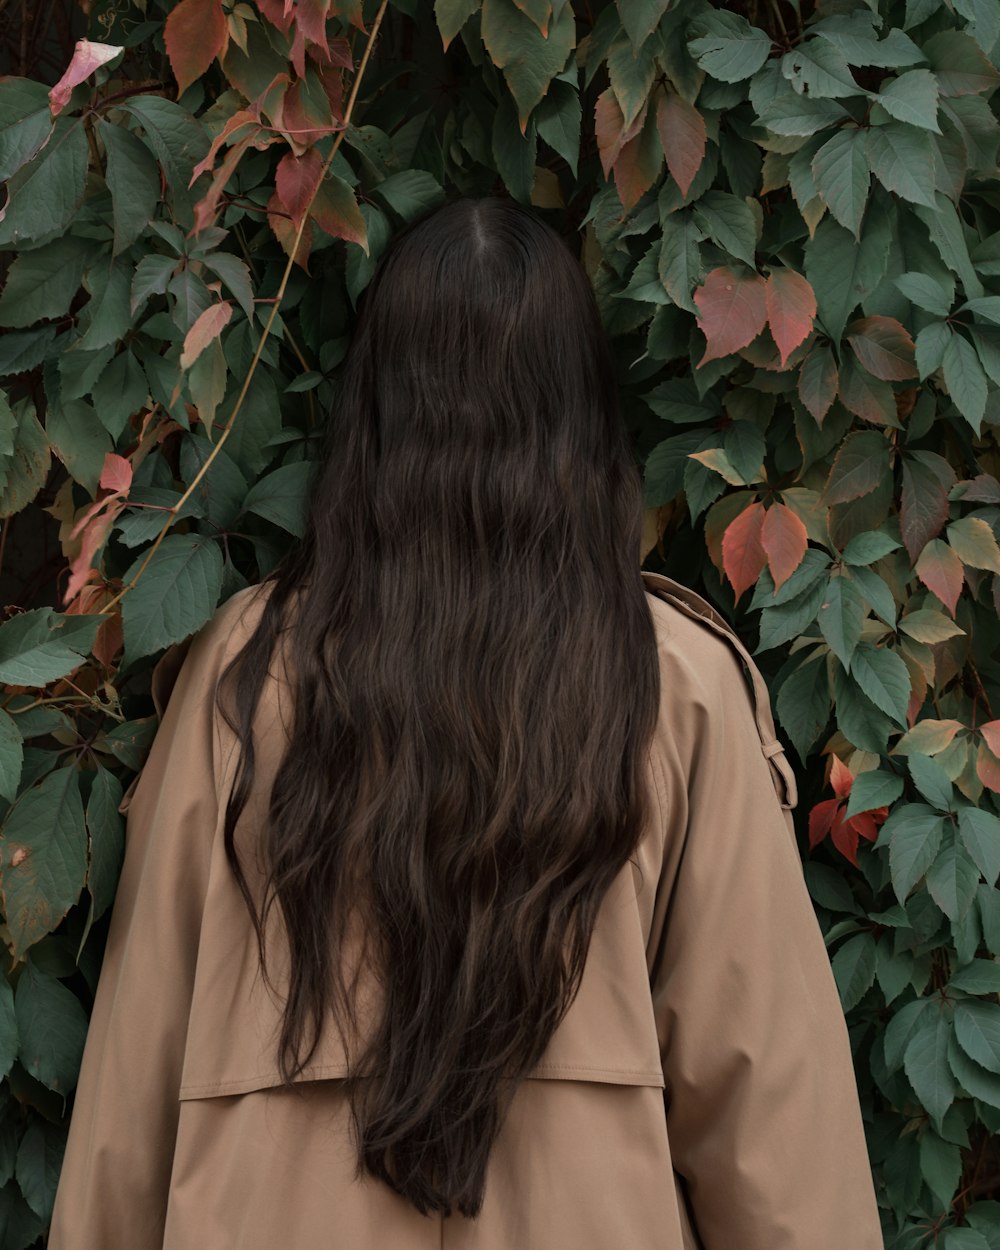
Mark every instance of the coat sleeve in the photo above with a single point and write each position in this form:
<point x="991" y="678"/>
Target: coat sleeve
<point x="762" y="1105"/>
<point x="113" y="1186"/>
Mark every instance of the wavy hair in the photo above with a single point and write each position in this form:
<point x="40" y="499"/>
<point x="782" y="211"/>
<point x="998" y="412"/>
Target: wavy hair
<point x="474" y="682"/>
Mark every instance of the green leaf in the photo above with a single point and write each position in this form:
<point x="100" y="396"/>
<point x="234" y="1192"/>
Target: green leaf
<point x="859" y="467"/>
<point x="32" y="458"/>
<point x="861" y="48"/>
<point x="817" y="68"/>
<point x="680" y="267"/>
<point x="840" y="617"/>
<point x="952" y="880"/>
<point x="947" y="233"/>
<point x="925" y="1062"/>
<point x="965" y="380"/>
<point x="843" y="271"/>
<point x="854" y="969"/>
<point x="875" y="592"/>
<point x="940" y="1165"/>
<point x="8" y="1028"/>
<point x="120" y="391"/>
<point x="559" y="120"/>
<point x="11" y="756"/>
<point x="884" y="678"/>
<point x="631" y="71"/>
<point x="979" y="832"/>
<point x="728" y="47"/>
<point x="152" y="276"/>
<point x="39" y="1160"/>
<point x="43" y="857"/>
<point x="902" y="159"/>
<point x="42" y="282"/>
<point x="960" y="66"/>
<point x="842" y="178"/>
<point x="25" y="122"/>
<point x="133" y="180"/>
<point x="901" y="1029"/>
<point x="803" y="705"/>
<point x="872" y="789"/>
<point x="930" y="345"/>
<point x="912" y="98"/>
<point x="107" y="315"/>
<point x="281" y="497"/>
<point x="729" y="222"/>
<point x="981" y="976"/>
<point x="973" y="541"/>
<point x="52" y="1026"/>
<point x="79" y="440"/>
<point x="931" y="780"/>
<point x="868" y="547"/>
<point x="107" y="839"/>
<point x="235" y="274"/>
<point x="175" y="596"/>
<point x="515" y="155"/>
<point x="528" y="59"/>
<point x="913" y="833"/>
<point x="44" y="194"/>
<point x="977" y="1027"/>
<point x="39" y="646"/>
<point x="931" y="294"/>
<point x="976" y="1080"/>
<point x="178" y="141"/>
<point x="794" y="114"/>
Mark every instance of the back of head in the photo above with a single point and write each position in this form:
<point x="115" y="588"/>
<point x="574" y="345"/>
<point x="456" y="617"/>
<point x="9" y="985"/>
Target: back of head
<point x="475" y="686"/>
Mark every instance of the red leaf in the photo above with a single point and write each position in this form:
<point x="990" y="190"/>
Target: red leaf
<point x="296" y="182"/>
<point x="301" y="121"/>
<point x="884" y="347"/>
<point x="743" y="555"/>
<point x="195" y="33"/>
<point x="639" y="162"/>
<point x="733" y="311"/>
<point x="207" y="327"/>
<point x="87" y="57"/>
<point x="820" y="820"/>
<point x="844" y="836"/>
<point x="609" y="127"/>
<point x="682" y="136"/>
<point x="791" y="307"/>
<point x="866" y="824"/>
<point x="941" y="571"/>
<point x="336" y="211"/>
<point x="841" y="777"/>
<point x="284" y="232"/>
<point x="238" y="120"/>
<point x="784" y="539"/>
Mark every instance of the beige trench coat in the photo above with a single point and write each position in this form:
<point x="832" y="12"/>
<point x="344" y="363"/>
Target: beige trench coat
<point x="699" y="1095"/>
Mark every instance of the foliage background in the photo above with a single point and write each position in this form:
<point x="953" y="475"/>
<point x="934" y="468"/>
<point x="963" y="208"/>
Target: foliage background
<point x="790" y="213"/>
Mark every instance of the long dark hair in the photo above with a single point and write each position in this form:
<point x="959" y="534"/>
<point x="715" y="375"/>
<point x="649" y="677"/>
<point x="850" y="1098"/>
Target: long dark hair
<point x="475" y="685"/>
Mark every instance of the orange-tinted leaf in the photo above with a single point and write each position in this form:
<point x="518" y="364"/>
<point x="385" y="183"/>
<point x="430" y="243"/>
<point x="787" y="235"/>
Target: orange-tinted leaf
<point x="195" y="33"/>
<point x="988" y="768"/>
<point x="238" y="120"/>
<point x="207" y="208"/>
<point x="841" y="777"/>
<point x="305" y="119"/>
<point x="866" y="823"/>
<point x="991" y="735"/>
<point x="207" y="327"/>
<point x="116" y="475"/>
<point x="743" y="555"/>
<point x="682" y="136"/>
<point x="87" y="57"/>
<point x="941" y="572"/>
<point x="784" y="538"/>
<point x="791" y="307"/>
<point x="609" y="128"/>
<point x="884" y="347"/>
<point x="732" y="311"/>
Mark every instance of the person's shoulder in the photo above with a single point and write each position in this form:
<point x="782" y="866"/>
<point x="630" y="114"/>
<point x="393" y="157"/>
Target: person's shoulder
<point x="700" y="652"/>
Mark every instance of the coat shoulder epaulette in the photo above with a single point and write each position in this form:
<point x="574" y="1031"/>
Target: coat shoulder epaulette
<point x="698" y="608"/>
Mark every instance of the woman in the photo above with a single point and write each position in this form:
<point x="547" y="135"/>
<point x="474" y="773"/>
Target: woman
<point x="492" y="934"/>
